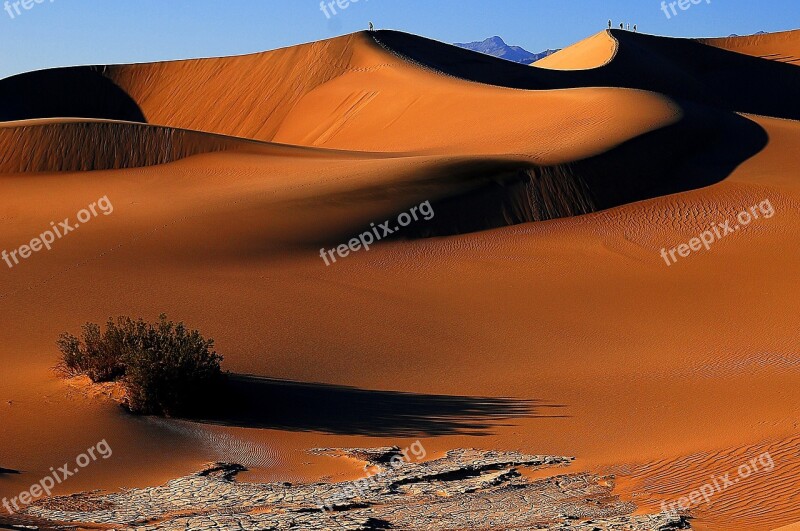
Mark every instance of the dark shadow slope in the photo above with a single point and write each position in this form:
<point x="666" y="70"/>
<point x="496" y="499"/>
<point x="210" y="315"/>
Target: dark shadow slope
<point x="680" y="68"/>
<point x="77" y="92"/>
<point x="255" y="402"/>
<point x="702" y="149"/>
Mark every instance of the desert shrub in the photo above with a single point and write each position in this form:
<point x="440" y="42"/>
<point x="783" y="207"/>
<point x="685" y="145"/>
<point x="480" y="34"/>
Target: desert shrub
<point x="73" y="356"/>
<point x="171" y="370"/>
<point x="97" y="356"/>
<point x="165" y="368"/>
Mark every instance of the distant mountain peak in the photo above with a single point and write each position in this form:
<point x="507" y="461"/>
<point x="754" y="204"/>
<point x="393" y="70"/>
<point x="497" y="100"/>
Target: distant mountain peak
<point x="497" y="47"/>
<point x="758" y="33"/>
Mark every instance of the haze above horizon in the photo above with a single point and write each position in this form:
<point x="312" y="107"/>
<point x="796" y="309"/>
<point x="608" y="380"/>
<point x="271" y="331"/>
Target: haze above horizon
<point x="74" y="32"/>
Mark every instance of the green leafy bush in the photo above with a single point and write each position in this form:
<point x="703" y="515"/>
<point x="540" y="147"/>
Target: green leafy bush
<point x="165" y="368"/>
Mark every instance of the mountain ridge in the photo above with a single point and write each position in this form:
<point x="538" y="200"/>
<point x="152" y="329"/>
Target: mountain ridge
<point x="497" y="47"/>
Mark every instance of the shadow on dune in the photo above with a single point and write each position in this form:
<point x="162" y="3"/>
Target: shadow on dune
<point x="255" y="402"/>
<point x="679" y="68"/>
<point x="702" y="149"/>
<point x="75" y="92"/>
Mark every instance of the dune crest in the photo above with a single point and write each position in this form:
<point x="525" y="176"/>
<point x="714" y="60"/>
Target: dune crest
<point x="69" y="146"/>
<point x="594" y="52"/>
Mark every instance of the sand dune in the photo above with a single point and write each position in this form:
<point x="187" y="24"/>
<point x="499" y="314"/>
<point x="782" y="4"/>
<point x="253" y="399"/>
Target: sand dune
<point x="783" y="47"/>
<point x="679" y="68"/>
<point x="600" y="49"/>
<point x="68" y="145"/>
<point x="594" y="52"/>
<point x="228" y="175"/>
<point x="196" y="94"/>
<point x="317" y="77"/>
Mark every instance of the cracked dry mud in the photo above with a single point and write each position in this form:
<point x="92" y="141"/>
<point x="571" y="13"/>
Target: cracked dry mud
<point x="466" y="489"/>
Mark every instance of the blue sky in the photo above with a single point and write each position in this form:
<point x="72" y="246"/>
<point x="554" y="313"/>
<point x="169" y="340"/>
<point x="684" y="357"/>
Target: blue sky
<point x="68" y="32"/>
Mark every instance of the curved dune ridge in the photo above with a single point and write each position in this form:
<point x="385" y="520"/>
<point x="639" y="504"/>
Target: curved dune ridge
<point x="198" y="94"/>
<point x="356" y="87"/>
<point x="72" y="145"/>
<point x="476" y="195"/>
<point x="228" y="175"/>
<point x="594" y="52"/>
<point x="682" y="69"/>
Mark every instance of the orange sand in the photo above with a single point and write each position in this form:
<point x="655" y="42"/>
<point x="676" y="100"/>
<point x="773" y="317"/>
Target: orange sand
<point x="783" y="46"/>
<point x="662" y="374"/>
<point x="593" y="52"/>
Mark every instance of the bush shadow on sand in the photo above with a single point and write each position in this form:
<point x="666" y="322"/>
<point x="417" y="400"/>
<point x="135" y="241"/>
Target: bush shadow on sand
<point x="256" y="402"/>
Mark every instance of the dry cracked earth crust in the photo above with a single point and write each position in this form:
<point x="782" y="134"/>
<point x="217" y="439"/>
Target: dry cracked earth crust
<point x="466" y="489"/>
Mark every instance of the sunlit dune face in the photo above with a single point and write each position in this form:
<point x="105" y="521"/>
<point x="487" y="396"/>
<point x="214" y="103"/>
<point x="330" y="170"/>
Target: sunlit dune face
<point x="781" y="47"/>
<point x="593" y="52"/>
